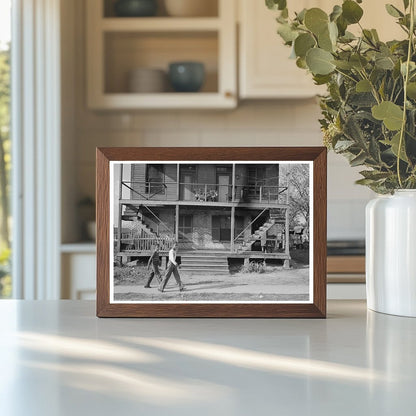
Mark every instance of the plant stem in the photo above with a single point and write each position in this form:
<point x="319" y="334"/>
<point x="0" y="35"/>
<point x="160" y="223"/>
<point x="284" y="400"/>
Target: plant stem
<point x="405" y="81"/>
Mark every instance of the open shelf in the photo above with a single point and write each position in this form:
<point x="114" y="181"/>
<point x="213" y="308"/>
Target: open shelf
<point x="126" y="51"/>
<point x="160" y="24"/>
<point x="119" y="45"/>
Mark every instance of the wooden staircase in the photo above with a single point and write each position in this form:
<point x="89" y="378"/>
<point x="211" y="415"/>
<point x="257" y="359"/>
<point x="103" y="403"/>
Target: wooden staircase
<point x="247" y="243"/>
<point x="204" y="263"/>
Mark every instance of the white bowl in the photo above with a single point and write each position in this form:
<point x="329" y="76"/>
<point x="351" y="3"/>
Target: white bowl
<point x="191" y="8"/>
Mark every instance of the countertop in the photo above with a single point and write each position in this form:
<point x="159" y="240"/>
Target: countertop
<point x="57" y="358"/>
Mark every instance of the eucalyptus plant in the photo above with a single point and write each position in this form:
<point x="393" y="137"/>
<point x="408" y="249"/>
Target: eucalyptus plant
<point x="369" y="111"/>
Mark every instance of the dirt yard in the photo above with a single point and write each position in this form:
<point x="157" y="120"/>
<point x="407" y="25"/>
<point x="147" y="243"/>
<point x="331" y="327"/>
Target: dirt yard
<point x="273" y="284"/>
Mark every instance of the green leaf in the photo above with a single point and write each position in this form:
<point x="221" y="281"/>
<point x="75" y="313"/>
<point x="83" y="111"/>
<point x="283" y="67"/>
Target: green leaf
<point x="342" y="25"/>
<point x="301" y="15"/>
<point x="358" y="61"/>
<point x="325" y="42"/>
<point x="411" y="90"/>
<point x="388" y="112"/>
<point x="319" y="61"/>
<point x="287" y="33"/>
<point x="375" y="35"/>
<point x="394" y="144"/>
<point x="351" y="11"/>
<point x="316" y="20"/>
<point x="347" y="37"/>
<point x="301" y="63"/>
<point x="358" y="160"/>
<point x="321" y="79"/>
<point x="276" y="4"/>
<point x="406" y="4"/>
<point x="303" y="43"/>
<point x="368" y="36"/>
<point x="374" y="175"/>
<point x="333" y="32"/>
<point x="365" y="182"/>
<point x="343" y="145"/>
<point x="363" y="86"/>
<point x="393" y="11"/>
<point x="336" y="12"/>
<point x="345" y="65"/>
<point x="384" y="62"/>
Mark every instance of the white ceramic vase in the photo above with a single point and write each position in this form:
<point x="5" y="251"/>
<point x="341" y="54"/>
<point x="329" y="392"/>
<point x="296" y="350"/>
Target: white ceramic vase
<point x="391" y="253"/>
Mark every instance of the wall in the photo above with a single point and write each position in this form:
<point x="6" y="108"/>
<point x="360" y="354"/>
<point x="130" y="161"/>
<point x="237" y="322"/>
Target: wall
<point x="254" y="123"/>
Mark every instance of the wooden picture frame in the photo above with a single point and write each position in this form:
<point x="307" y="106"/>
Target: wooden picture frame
<point x="110" y="160"/>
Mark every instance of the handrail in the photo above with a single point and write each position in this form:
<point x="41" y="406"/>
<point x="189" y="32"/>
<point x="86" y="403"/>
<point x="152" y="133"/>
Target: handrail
<point x="161" y="222"/>
<point x="249" y="225"/>
<point x="140" y="194"/>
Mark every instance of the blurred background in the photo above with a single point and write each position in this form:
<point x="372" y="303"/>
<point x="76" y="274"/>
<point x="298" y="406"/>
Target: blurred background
<point x="103" y="73"/>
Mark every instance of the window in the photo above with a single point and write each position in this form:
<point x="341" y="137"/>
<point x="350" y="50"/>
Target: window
<point x="155" y="178"/>
<point x="5" y="161"/>
<point x="221" y="227"/>
<point x="185" y="226"/>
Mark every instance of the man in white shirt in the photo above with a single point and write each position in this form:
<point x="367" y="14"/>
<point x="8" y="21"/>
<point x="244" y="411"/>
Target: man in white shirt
<point x="172" y="268"/>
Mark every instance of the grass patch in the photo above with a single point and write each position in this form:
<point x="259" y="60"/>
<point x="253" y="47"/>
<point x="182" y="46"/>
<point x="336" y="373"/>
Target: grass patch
<point x="126" y="275"/>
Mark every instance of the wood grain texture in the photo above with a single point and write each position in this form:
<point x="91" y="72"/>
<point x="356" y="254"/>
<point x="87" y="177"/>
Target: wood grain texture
<point x="317" y="309"/>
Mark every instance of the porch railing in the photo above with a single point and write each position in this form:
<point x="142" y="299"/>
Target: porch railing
<point x="206" y="192"/>
<point x="135" y="243"/>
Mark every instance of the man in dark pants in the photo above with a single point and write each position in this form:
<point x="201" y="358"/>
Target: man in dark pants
<point x="154" y="261"/>
<point x="172" y="268"/>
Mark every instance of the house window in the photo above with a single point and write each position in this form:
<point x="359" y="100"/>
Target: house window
<point x="185" y="226"/>
<point x="239" y="226"/>
<point x="155" y="179"/>
<point x="221" y="227"/>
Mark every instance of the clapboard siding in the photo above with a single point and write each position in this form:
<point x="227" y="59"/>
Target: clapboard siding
<point x="138" y="174"/>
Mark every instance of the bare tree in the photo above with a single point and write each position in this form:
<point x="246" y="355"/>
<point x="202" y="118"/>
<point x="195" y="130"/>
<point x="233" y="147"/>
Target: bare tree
<point x="298" y="179"/>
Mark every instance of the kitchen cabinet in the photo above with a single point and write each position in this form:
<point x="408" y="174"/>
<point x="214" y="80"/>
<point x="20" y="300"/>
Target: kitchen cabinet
<point x="265" y="70"/>
<point x="118" y="45"/>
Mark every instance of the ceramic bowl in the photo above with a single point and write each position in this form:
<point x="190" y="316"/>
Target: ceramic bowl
<point x="186" y="76"/>
<point x="135" y="8"/>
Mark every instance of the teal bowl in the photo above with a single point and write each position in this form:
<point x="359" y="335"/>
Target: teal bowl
<point x="135" y="8"/>
<point x="186" y="76"/>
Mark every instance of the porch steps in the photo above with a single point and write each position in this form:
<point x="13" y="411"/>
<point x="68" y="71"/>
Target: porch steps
<point x="246" y="246"/>
<point x="201" y="263"/>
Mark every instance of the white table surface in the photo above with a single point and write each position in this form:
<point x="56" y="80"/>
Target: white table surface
<point x="57" y="358"/>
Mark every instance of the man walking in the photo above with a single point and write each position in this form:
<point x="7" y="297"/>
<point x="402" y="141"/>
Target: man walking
<point x="172" y="268"/>
<point x="154" y="261"/>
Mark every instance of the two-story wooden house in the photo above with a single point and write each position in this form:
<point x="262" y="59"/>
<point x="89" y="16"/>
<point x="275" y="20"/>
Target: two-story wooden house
<point x="215" y="211"/>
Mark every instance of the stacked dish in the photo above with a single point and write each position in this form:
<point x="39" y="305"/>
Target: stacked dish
<point x="147" y="80"/>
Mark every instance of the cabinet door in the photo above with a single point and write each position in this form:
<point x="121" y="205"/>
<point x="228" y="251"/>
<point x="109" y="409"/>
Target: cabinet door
<point x="265" y="68"/>
<point x="266" y="71"/>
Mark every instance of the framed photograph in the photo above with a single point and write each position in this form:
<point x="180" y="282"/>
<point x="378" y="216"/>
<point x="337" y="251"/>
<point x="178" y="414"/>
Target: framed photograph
<point x="211" y="232"/>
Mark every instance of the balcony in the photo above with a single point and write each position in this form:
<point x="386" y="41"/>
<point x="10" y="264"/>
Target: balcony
<point x="205" y="193"/>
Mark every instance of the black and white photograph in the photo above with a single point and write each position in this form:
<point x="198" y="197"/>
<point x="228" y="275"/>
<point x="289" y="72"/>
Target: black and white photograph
<point x="211" y="232"/>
